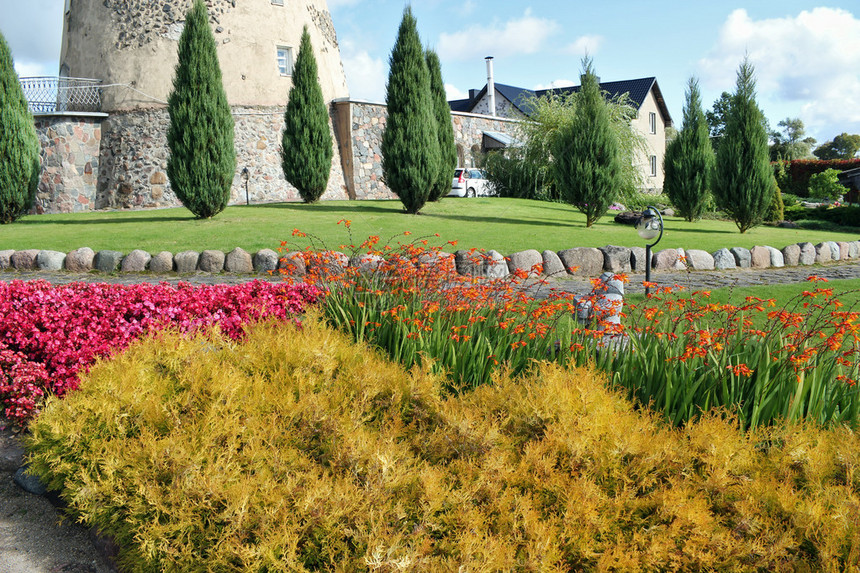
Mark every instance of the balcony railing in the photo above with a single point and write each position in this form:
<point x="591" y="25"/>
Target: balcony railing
<point x="51" y="94"/>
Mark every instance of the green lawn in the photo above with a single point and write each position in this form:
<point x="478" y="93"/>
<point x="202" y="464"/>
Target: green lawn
<point x="507" y="225"/>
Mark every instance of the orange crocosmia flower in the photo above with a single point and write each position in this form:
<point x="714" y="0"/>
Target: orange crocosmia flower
<point x="297" y="233"/>
<point x="816" y="278"/>
<point x="407" y="233"/>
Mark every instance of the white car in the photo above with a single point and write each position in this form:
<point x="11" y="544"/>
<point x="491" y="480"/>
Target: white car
<point x="470" y="182"/>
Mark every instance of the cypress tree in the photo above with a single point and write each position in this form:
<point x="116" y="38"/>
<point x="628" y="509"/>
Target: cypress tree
<point x="689" y="160"/>
<point x="444" y="129"/>
<point x="587" y="153"/>
<point x="19" y="144"/>
<point x="307" y="146"/>
<point x="410" y="152"/>
<point x="202" y="159"/>
<point x="743" y="183"/>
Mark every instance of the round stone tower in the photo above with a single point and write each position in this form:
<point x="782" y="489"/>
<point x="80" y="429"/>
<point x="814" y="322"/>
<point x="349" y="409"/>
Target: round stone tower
<point x="131" y="45"/>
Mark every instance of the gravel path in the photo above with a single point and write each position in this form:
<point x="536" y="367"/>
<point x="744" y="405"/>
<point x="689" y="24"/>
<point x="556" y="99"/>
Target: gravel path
<point x="32" y="537"/>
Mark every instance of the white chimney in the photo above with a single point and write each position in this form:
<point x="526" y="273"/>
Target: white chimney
<point x="491" y="85"/>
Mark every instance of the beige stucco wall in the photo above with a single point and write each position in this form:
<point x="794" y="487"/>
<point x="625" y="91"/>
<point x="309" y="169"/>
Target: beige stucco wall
<point x="656" y="142"/>
<point x="134" y="43"/>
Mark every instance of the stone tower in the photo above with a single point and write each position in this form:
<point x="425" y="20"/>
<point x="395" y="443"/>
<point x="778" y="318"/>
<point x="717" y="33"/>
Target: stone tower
<point x="131" y="45"/>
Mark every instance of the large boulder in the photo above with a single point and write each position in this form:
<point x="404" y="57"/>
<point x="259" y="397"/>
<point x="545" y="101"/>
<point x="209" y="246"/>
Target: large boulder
<point x="445" y="261"/>
<point x="529" y="262"/>
<point x="724" y="259"/>
<point x="495" y="265"/>
<point x="637" y="259"/>
<point x="239" y="261"/>
<point x="211" y="261"/>
<point x="265" y="260"/>
<point x="80" y="260"/>
<point x="161" y="263"/>
<point x="776" y="258"/>
<point x="6" y="259"/>
<point x="366" y="263"/>
<point x="327" y="263"/>
<point x="469" y="262"/>
<point x="292" y="263"/>
<point x="700" y="260"/>
<point x="24" y="260"/>
<point x="186" y="262"/>
<point x="135" y="262"/>
<point x="743" y="258"/>
<point x="50" y="260"/>
<point x="844" y="249"/>
<point x="808" y="253"/>
<point x="823" y="254"/>
<point x="584" y="261"/>
<point x="669" y="260"/>
<point x="552" y="265"/>
<point x="616" y="259"/>
<point x="107" y="261"/>
<point x="760" y="257"/>
<point x="853" y="251"/>
<point x="791" y="255"/>
<point x="628" y="218"/>
<point x="834" y="250"/>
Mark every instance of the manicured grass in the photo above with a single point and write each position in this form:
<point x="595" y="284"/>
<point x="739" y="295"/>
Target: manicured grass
<point x="506" y="225"/>
<point x="847" y="291"/>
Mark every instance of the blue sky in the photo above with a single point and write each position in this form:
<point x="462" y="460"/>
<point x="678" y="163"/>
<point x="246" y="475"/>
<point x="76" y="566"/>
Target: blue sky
<point x="806" y="54"/>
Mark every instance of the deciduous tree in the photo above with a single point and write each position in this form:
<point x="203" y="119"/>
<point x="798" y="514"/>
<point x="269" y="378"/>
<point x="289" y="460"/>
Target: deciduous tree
<point x="202" y="159"/>
<point x="843" y="146"/>
<point x="789" y="143"/>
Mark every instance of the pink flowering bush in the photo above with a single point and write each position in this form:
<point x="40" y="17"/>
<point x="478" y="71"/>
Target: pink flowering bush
<point x="48" y="334"/>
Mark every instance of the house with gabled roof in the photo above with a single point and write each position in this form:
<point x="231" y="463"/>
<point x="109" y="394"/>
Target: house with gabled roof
<point x="511" y="102"/>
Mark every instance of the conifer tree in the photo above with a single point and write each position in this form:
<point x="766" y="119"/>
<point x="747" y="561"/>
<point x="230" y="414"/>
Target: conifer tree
<point x="202" y="158"/>
<point x="410" y="151"/>
<point x="587" y="152"/>
<point x="19" y="144"/>
<point x="689" y="161"/>
<point x="444" y="129"/>
<point x="743" y="182"/>
<point x="307" y="146"/>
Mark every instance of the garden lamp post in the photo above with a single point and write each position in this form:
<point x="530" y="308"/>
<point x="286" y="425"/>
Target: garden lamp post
<point x="649" y="226"/>
<point x="245" y="176"/>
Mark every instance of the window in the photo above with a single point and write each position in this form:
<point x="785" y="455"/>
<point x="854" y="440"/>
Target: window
<point x="285" y="60"/>
<point x="652" y="122"/>
<point x="653" y="166"/>
<point x="278" y="2"/>
<point x="68" y="6"/>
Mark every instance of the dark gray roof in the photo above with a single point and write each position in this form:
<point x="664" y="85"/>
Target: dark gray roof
<point x="637" y="91"/>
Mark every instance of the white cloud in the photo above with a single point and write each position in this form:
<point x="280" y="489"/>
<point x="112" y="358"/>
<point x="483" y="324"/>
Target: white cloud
<point x="452" y="93"/>
<point x="33" y="30"/>
<point x="30" y="69"/>
<point x="365" y="75"/>
<point x="555" y="84"/>
<point x="807" y="64"/>
<point x="525" y="35"/>
<point x="584" y="45"/>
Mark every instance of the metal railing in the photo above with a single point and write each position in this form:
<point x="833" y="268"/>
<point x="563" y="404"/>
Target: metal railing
<point x="51" y="94"/>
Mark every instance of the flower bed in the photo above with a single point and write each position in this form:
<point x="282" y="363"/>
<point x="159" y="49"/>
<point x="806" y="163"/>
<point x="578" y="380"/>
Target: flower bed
<point x="49" y="334"/>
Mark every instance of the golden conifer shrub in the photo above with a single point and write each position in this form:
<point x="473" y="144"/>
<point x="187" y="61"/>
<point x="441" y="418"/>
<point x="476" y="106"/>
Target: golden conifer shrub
<point x="297" y="450"/>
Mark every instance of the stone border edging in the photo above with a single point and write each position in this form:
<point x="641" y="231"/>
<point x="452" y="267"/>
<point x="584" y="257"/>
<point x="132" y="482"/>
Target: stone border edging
<point x="577" y="261"/>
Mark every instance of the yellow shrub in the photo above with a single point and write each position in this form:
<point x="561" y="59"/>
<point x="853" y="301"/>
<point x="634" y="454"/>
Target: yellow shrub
<point x="296" y="450"/>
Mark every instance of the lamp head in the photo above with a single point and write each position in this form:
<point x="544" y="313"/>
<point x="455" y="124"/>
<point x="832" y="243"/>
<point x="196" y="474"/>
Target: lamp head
<point x="649" y="225"/>
<point x="245" y="174"/>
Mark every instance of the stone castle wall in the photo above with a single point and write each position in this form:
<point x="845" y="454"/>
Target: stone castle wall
<point x="120" y="162"/>
<point x="70" y="164"/>
<point x="368" y="123"/>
